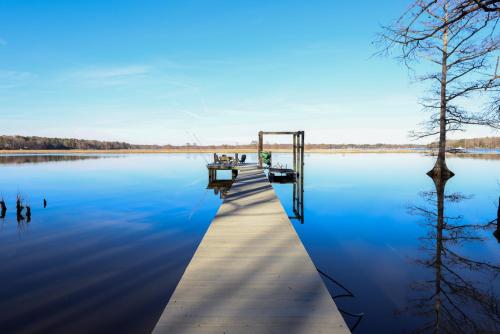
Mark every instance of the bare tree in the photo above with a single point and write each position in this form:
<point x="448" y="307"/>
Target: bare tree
<point x="458" y="39"/>
<point x="465" y="8"/>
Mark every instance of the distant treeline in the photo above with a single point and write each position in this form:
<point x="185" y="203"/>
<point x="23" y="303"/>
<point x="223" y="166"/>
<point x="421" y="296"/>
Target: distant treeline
<point x="483" y="142"/>
<point x="43" y="143"/>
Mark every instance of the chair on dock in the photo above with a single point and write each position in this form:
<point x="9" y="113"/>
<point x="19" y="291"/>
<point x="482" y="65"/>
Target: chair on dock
<point x="224" y="159"/>
<point x="243" y="158"/>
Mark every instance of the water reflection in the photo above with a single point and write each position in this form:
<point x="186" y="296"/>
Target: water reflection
<point x="477" y="156"/>
<point x="221" y="186"/>
<point x="488" y="155"/>
<point x="32" y="159"/>
<point x="67" y="273"/>
<point x="459" y="298"/>
<point x="296" y="180"/>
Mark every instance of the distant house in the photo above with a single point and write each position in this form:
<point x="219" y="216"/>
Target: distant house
<point x="456" y="150"/>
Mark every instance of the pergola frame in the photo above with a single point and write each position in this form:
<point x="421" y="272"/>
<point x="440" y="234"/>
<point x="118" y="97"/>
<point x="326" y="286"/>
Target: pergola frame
<point x="298" y="167"/>
<point x="298" y="147"/>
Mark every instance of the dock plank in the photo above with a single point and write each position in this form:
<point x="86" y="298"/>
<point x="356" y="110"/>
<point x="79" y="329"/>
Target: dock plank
<point x="251" y="273"/>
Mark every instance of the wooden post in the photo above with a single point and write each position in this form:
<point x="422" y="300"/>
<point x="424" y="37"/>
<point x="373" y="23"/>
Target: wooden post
<point x="294" y="197"/>
<point x="497" y="232"/>
<point x="498" y="215"/>
<point x="302" y="173"/>
<point x="295" y="153"/>
<point x="261" y="146"/>
<point x="302" y="149"/>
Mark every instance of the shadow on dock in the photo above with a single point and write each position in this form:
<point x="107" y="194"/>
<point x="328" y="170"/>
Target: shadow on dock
<point x="251" y="273"/>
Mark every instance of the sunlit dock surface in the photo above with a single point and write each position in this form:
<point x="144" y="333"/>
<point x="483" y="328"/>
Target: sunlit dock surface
<point x="251" y="273"/>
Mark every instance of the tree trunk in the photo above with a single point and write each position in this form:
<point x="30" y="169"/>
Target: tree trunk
<point x="440" y="169"/>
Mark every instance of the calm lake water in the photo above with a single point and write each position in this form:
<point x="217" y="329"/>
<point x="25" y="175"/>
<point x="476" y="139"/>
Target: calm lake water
<point x="118" y="231"/>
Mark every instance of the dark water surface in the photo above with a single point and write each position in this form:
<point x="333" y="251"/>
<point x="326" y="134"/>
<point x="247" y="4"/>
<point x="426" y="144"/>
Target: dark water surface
<point x="118" y="231"/>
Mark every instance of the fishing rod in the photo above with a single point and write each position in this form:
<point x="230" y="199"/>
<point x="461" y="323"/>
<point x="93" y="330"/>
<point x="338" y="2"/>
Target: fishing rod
<point x="198" y="142"/>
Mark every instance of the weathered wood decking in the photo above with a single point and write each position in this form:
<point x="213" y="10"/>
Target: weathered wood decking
<point x="251" y="273"/>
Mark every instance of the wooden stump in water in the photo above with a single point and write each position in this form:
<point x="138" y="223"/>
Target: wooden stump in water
<point x="497" y="232"/>
<point x="3" y="209"/>
<point x="28" y="212"/>
<point x="498" y="214"/>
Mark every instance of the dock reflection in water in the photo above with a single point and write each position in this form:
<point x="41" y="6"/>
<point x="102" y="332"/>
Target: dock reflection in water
<point x="296" y="180"/>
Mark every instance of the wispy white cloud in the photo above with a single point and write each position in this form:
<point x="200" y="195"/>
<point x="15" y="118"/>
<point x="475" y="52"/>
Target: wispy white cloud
<point x="112" y="72"/>
<point x="9" y="78"/>
<point x="107" y="76"/>
<point x="155" y="76"/>
<point x="15" y="75"/>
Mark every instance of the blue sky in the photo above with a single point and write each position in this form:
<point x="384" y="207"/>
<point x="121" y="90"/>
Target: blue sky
<point x="207" y="71"/>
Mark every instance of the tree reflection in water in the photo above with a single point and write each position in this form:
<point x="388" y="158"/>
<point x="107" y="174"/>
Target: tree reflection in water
<point x="460" y="296"/>
<point x="40" y="158"/>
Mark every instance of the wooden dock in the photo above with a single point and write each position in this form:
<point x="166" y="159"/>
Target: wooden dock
<point x="251" y="273"/>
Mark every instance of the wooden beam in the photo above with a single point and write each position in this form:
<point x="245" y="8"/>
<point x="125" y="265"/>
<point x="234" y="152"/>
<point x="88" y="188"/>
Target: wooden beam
<point x="279" y="132"/>
<point x="261" y="146"/>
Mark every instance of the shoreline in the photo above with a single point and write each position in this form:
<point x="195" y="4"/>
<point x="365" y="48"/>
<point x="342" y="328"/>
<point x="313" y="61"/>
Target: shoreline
<point x="211" y="151"/>
<point x="118" y="152"/>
